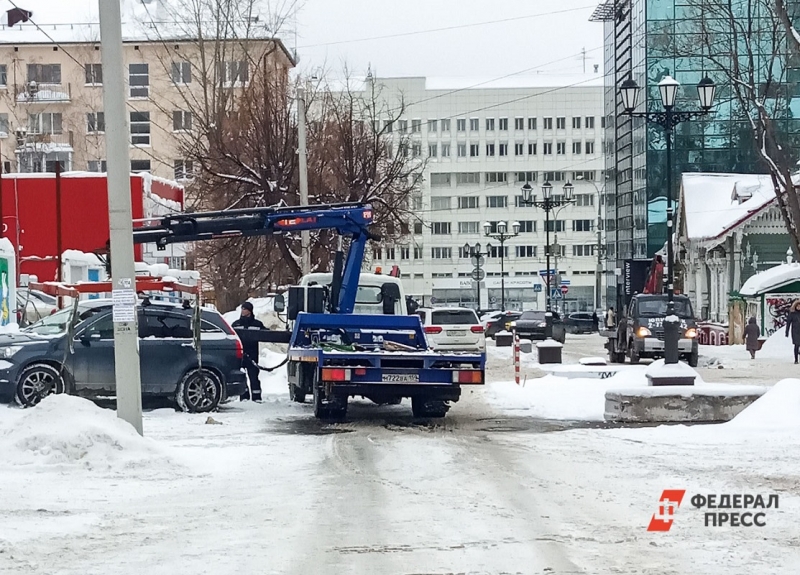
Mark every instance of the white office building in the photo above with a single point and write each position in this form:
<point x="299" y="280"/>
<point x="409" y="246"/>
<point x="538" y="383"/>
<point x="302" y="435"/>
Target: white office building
<point x="482" y="142"/>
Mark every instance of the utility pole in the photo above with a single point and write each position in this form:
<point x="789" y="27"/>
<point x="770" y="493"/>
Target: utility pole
<point x="305" y="237"/>
<point x="123" y="273"/>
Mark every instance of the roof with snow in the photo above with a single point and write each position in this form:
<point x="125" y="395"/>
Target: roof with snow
<point x="713" y="205"/>
<point x="771" y="279"/>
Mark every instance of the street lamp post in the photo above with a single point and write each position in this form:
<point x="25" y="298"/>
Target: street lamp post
<point x="668" y="119"/>
<point x="474" y="252"/>
<point x="502" y="234"/>
<point x="548" y="204"/>
<point x="600" y="246"/>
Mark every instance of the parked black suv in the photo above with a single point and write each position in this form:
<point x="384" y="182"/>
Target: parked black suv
<point x="38" y="361"/>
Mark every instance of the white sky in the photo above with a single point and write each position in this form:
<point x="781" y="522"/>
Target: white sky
<point x="533" y="36"/>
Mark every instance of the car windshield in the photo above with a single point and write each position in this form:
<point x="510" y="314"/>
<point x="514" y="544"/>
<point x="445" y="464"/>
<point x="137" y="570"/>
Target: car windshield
<point x="451" y="317"/>
<point x="37" y="295"/>
<point x="657" y="307"/>
<point x="58" y="323"/>
<point x="532" y="316"/>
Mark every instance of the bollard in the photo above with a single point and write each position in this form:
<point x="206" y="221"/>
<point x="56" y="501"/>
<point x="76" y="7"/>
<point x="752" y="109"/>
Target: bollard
<point x="516" y="358"/>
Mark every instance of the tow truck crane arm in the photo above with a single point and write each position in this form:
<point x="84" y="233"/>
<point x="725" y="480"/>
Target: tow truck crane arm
<point x="347" y="219"/>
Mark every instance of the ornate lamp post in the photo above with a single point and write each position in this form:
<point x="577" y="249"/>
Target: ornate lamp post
<point x="502" y="234"/>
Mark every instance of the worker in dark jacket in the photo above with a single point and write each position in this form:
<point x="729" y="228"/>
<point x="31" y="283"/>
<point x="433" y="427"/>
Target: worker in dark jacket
<point x="248" y="321"/>
<point x="793" y="325"/>
<point x="751" y="333"/>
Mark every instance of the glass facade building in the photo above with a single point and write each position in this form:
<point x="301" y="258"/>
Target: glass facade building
<point x="648" y="40"/>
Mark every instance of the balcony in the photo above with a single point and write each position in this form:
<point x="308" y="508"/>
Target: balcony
<point x="41" y="93"/>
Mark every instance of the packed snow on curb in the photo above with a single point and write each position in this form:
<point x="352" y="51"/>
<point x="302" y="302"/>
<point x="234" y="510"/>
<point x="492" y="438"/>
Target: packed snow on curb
<point x="71" y="431"/>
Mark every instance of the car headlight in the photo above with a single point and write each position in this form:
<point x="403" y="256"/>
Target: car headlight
<point x="543" y="324"/>
<point x="643" y="332"/>
<point x="512" y="324"/>
<point x="691" y="333"/>
<point x="6" y="352"/>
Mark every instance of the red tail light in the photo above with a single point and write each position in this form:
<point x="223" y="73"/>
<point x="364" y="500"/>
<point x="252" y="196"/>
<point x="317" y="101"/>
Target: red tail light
<point x="476" y="329"/>
<point x="467" y="376"/>
<point x="335" y="374"/>
<point x="433" y="329"/>
<point x="239" y="349"/>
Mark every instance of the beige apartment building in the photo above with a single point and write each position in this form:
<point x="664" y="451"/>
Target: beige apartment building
<point x="51" y="96"/>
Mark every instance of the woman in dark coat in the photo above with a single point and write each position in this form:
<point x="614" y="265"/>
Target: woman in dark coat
<point x="793" y="325"/>
<point x="751" y="333"/>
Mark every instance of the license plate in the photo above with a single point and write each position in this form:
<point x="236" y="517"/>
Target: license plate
<point x="400" y="377"/>
<point x="459" y="333"/>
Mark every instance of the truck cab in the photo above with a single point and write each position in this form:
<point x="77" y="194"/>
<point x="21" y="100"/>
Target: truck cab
<point x="370" y="294"/>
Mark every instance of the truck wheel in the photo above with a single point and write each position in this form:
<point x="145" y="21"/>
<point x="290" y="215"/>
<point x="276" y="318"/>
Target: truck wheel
<point x="634" y="354"/>
<point x="36" y="382"/>
<point x="428" y="408"/>
<point x="333" y="408"/>
<point x="694" y="359"/>
<point x="620" y="357"/>
<point x="297" y="392"/>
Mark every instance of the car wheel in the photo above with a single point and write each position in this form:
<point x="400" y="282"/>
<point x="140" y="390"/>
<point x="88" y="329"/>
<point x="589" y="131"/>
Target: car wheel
<point x="334" y="408"/>
<point x="634" y="354"/>
<point x="36" y="382"/>
<point x="199" y="391"/>
<point x="694" y="359"/>
<point x="425" y="407"/>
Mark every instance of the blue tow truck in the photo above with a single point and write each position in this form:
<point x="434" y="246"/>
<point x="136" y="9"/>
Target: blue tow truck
<point x="334" y="353"/>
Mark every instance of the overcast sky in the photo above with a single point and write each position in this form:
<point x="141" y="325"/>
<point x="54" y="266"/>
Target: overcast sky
<point x="545" y="35"/>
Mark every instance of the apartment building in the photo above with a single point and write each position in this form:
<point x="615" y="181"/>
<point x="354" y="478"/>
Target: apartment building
<point x="51" y="88"/>
<point x="482" y="142"/>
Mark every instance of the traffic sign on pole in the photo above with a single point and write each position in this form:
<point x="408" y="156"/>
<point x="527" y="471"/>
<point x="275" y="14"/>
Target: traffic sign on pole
<point x="564" y="290"/>
<point x="478" y="261"/>
<point x="478" y="274"/>
<point x="555" y="293"/>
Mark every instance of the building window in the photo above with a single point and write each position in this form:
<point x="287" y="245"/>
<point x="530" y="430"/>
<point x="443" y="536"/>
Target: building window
<point x="95" y="122"/>
<point x="440" y="203"/>
<point x="97" y="166"/>
<point x="590" y="147"/>
<point x="140" y="128"/>
<point x="433" y="150"/>
<point x="234" y="74"/>
<point x="494" y="251"/>
<point x="94" y="74"/>
<point x="181" y="73"/>
<point x="489" y="124"/>
<point x="390" y="255"/>
<point x="474" y="150"/>
<point x="590" y="122"/>
<point x="503" y="149"/>
<point x="467" y="202"/>
<point x="547" y="149"/>
<point x="519" y="123"/>
<point x="584" y="200"/>
<point x="496" y="177"/>
<point x="468" y="178"/>
<point x="139" y="80"/>
<point x="181" y="121"/>
<point x="418" y="251"/>
<point x="416" y="150"/>
<point x="387" y="126"/>
<point x="416" y="203"/>
<point x="138" y="166"/>
<point x="532" y="123"/>
<point x="555" y="226"/>
<point x="503" y="124"/>
<point x="576" y="148"/>
<point x="469" y="227"/>
<point x="3" y="75"/>
<point x="561" y="148"/>
<point x="402" y="126"/>
<point x="433" y="126"/>
<point x="442" y="253"/>
<point x="3" y="125"/>
<point x="445" y="150"/>
<point x="525" y="251"/>
<point x="561" y="123"/>
<point x="462" y="150"/>
<point x="522" y="177"/>
<point x="576" y="123"/>
<point x="553" y="176"/>
<point x="582" y="225"/>
<point x="602" y="121"/>
<point x="440" y="180"/>
<point x="44" y="73"/>
<point x="183" y="169"/>
<point x="474" y="124"/>
<point x="416" y="126"/>
<point x="519" y="149"/>
<point x="496" y="201"/>
<point x="405" y="253"/>
<point x="418" y="228"/>
<point x="461" y="124"/>
<point x="440" y="228"/>
<point x="532" y="149"/>
<point x="489" y="150"/>
<point x="527" y="226"/>
<point x="587" y="175"/>
<point x="377" y="253"/>
<point x="45" y="123"/>
<point x="587" y="250"/>
<point x="548" y="123"/>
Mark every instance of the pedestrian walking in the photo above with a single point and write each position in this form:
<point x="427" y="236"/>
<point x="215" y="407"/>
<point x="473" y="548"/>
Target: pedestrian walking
<point x="250" y="361"/>
<point x="751" y="333"/>
<point x="595" y="321"/>
<point x="793" y="325"/>
<point x="610" y="318"/>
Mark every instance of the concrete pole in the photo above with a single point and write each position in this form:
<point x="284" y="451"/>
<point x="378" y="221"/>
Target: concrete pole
<point x="305" y="238"/>
<point x="123" y="273"/>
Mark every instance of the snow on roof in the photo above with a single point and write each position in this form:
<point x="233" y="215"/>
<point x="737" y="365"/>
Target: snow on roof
<point x="771" y="279"/>
<point x="710" y="204"/>
<point x="543" y="80"/>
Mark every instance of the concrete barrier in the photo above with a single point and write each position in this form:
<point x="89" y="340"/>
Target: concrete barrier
<point x="680" y="404"/>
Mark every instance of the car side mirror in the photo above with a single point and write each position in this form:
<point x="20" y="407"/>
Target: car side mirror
<point x="279" y="304"/>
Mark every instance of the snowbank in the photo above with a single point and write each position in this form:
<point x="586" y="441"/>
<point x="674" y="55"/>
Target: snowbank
<point x="264" y="310"/>
<point x="770" y="279"/>
<point x="778" y="346"/>
<point x="779" y="408"/>
<point x="67" y="430"/>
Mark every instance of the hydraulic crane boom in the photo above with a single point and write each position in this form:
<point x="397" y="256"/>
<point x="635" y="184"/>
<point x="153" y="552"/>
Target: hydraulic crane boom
<point x="348" y="219"/>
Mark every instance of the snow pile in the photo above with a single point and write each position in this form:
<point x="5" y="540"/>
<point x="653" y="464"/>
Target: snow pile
<point x="263" y="309"/>
<point x="273" y="382"/>
<point x="778" y="346"/>
<point x="67" y="430"/>
<point x="770" y="279"/>
<point x="9" y="328"/>
<point x="779" y="408"/>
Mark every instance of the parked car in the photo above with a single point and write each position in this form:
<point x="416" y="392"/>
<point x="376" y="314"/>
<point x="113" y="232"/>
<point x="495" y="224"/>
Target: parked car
<point x="452" y="329"/>
<point x="579" y="322"/>
<point x="37" y="361"/>
<point x="531" y="325"/>
<point x="499" y="322"/>
<point x="33" y="305"/>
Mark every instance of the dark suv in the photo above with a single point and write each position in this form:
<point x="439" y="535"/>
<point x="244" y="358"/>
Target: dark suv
<point x="38" y="360"/>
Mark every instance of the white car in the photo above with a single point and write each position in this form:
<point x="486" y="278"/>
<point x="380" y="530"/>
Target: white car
<point x="33" y="306"/>
<point x="452" y="329"/>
